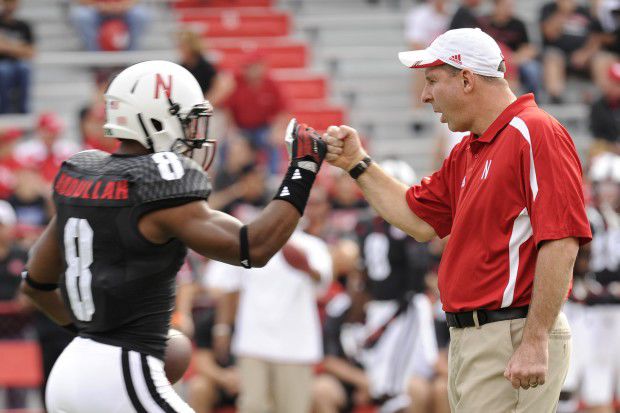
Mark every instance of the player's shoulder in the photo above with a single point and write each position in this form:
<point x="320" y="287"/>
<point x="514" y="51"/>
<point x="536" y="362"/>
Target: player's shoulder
<point x="87" y="159"/>
<point x="536" y="125"/>
<point x="165" y="175"/>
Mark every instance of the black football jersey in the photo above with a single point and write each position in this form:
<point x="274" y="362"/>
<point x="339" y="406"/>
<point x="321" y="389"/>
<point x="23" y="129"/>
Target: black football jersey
<point x="395" y="263"/>
<point x="119" y="287"/>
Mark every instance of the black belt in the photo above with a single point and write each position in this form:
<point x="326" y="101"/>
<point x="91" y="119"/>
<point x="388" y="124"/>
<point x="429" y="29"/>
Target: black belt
<point x="468" y="318"/>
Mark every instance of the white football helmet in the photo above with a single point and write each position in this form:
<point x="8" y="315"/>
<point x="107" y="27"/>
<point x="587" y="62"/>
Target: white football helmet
<point x="160" y="104"/>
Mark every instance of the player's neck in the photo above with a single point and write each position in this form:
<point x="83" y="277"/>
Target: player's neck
<point x="128" y="147"/>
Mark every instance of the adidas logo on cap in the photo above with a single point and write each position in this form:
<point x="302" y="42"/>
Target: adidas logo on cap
<point x="456" y="59"/>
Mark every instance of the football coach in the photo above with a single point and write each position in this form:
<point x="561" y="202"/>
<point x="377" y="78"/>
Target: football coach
<point x="510" y="196"/>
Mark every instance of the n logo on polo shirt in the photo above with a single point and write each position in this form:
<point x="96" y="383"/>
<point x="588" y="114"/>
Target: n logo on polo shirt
<point x="487" y="168"/>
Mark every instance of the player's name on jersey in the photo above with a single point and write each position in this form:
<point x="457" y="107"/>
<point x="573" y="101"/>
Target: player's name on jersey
<point x="72" y="187"/>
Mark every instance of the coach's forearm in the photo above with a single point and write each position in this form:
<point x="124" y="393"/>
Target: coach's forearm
<point x="554" y="269"/>
<point x="388" y="197"/>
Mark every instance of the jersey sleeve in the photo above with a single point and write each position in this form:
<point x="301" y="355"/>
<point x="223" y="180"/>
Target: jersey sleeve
<point x="165" y="178"/>
<point x="553" y="185"/>
<point x="431" y="200"/>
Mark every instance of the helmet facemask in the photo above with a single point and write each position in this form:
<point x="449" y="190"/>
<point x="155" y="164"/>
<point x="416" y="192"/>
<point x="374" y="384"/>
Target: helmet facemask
<point x="195" y="143"/>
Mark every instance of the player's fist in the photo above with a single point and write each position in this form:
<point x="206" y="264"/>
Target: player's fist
<point x="344" y="148"/>
<point x="305" y="147"/>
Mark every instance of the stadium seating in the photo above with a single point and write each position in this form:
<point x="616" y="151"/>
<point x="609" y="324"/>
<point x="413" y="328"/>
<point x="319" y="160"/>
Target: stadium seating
<point x="21" y="364"/>
<point x="233" y="23"/>
<point x="189" y="4"/>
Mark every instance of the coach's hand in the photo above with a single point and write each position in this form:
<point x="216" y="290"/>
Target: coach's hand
<point x="344" y="148"/>
<point x="528" y="365"/>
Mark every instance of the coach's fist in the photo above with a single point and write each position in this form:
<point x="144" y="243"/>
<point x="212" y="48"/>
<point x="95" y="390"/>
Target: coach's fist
<point x="344" y="148"/>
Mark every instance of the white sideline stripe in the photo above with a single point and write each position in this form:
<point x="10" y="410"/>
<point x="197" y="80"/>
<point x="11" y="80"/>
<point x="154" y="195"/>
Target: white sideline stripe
<point x="521" y="232"/>
<point x="525" y="132"/>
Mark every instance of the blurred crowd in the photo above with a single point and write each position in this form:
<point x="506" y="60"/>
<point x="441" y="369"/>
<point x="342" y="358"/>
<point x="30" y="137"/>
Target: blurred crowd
<point x="347" y="316"/>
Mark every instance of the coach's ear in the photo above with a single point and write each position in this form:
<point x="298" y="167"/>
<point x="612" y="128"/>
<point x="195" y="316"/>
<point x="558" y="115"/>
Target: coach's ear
<point x="468" y="80"/>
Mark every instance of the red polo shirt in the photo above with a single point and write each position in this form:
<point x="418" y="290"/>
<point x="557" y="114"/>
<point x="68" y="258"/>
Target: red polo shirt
<point x="499" y="196"/>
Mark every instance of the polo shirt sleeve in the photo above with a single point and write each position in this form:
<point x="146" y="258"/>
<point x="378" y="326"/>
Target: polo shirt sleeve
<point x="552" y="175"/>
<point x="431" y="200"/>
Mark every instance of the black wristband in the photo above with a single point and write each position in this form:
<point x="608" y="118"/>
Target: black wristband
<point x="295" y="187"/>
<point x="244" y="246"/>
<point x="37" y="285"/>
<point x="360" y="168"/>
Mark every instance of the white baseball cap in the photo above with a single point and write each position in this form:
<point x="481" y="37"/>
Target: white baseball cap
<point x="470" y="49"/>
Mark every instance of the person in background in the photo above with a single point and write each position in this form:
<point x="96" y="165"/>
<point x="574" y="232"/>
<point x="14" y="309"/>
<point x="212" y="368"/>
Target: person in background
<point x="277" y="330"/>
<point x="216" y="383"/>
<point x="605" y="112"/>
<point x="92" y="116"/>
<point x="505" y="28"/>
<point x="343" y="384"/>
<point x="48" y="149"/>
<point x="601" y="368"/>
<point x="423" y="24"/>
<point x="16" y="52"/>
<point x="8" y="164"/>
<point x="12" y="260"/>
<point x="88" y="17"/>
<point x="466" y="15"/>
<point x="398" y="314"/>
<point x="15" y="314"/>
<point x="215" y="85"/>
<point x="569" y="44"/>
<point x="258" y="109"/>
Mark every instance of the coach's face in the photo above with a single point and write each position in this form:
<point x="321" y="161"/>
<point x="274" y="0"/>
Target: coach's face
<point x="443" y="89"/>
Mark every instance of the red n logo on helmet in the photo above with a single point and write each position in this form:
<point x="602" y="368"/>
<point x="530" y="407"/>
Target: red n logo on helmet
<point x="159" y="83"/>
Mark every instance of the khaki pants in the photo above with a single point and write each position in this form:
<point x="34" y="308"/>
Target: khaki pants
<point x="274" y="387"/>
<point x="478" y="358"/>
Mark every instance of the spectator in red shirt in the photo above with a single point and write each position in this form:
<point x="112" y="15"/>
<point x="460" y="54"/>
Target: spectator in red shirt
<point x="510" y="196"/>
<point x="257" y="107"/>
<point x="92" y="118"/>
<point x="47" y="151"/>
<point x="88" y="16"/>
<point x="8" y="165"/>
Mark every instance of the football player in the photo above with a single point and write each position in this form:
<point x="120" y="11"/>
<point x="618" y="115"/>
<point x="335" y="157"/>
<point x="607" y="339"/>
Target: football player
<point x="105" y="266"/>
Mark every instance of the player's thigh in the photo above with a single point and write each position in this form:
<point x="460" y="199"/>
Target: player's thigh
<point x="98" y="378"/>
<point x="87" y="376"/>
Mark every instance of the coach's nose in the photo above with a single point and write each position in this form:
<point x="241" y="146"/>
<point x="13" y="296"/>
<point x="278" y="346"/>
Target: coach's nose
<point x="426" y="96"/>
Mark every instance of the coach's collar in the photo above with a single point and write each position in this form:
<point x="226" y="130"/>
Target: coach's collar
<point x="506" y="116"/>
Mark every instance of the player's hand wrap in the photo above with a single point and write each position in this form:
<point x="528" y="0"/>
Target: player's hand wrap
<point x="306" y="151"/>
